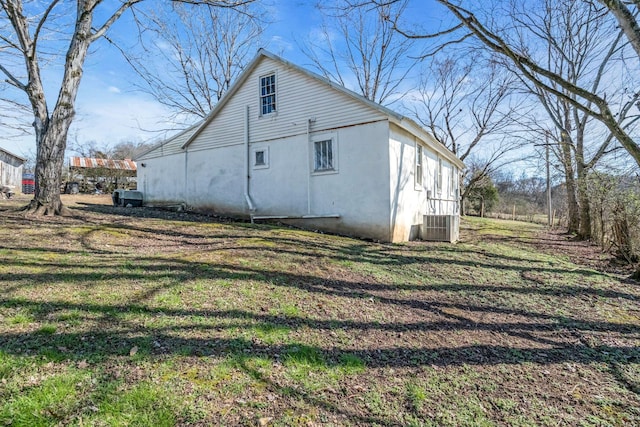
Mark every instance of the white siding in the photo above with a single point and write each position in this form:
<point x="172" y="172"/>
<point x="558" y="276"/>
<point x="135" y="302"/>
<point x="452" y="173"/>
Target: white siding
<point x="170" y="146"/>
<point x="11" y="171"/>
<point x="373" y="189"/>
<point x="298" y="99"/>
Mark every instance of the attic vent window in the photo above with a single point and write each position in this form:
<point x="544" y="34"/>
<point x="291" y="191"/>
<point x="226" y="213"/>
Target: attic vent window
<point x="268" y="94"/>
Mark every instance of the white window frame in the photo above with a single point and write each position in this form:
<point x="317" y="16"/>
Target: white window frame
<point x="333" y="139"/>
<point x="438" y="177"/>
<point x="254" y="152"/>
<point x="452" y="177"/>
<point x="274" y="94"/>
<point x="419" y="166"/>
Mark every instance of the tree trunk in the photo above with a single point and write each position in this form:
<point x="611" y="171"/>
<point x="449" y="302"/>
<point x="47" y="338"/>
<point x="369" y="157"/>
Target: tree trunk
<point x="50" y="159"/>
<point x="584" y="200"/>
<point x="573" y="214"/>
<point x="51" y="132"/>
<point x="584" y="232"/>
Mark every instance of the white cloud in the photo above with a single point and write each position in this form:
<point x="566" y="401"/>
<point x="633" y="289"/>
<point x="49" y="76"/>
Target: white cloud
<point x="279" y="45"/>
<point x="114" y="89"/>
<point x="110" y="120"/>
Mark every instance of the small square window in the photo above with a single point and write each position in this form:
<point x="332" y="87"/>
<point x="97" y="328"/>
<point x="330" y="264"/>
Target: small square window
<point x="323" y="155"/>
<point x="268" y="94"/>
<point x="260" y="157"/>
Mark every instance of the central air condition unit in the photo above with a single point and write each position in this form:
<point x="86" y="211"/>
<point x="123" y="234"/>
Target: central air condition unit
<point x="440" y="228"/>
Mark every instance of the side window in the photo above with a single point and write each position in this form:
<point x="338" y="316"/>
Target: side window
<point x="452" y="180"/>
<point x="268" y="94"/>
<point x="438" y="177"/>
<point x="419" y="163"/>
<point x="323" y="158"/>
<point x="260" y="158"/>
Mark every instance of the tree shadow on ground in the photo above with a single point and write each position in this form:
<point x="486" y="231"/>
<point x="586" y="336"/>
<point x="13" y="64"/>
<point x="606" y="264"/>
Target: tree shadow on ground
<point x="538" y="337"/>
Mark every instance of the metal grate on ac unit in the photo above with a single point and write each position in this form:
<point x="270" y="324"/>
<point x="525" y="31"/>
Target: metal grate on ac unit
<point x="440" y="228"/>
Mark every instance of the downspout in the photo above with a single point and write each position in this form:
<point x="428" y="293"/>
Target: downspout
<point x="247" y="165"/>
<point x="309" y="161"/>
<point x="186" y="175"/>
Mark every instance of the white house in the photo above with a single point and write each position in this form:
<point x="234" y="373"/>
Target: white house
<point x="11" y="167"/>
<point x="286" y="143"/>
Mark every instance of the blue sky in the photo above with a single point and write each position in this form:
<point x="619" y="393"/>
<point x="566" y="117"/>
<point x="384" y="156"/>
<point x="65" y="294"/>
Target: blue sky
<point x="110" y="108"/>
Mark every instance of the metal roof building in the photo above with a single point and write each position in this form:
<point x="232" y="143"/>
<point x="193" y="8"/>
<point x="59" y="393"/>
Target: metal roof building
<point x="90" y="163"/>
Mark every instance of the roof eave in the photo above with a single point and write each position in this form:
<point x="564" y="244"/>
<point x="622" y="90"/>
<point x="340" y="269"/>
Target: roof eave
<point x="417" y="130"/>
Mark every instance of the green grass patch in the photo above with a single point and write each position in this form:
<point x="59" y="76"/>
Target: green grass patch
<point x="185" y="321"/>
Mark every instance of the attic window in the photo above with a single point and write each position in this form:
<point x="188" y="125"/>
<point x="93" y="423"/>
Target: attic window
<point x="268" y="94"/>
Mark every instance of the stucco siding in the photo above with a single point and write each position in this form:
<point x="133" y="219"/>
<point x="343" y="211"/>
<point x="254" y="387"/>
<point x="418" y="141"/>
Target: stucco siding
<point x="365" y="184"/>
<point x="412" y="198"/>
<point x="162" y="179"/>
<point x="215" y="180"/>
<point x="357" y="192"/>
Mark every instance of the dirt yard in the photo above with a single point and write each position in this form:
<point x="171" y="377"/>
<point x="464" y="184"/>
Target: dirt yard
<point x="131" y="316"/>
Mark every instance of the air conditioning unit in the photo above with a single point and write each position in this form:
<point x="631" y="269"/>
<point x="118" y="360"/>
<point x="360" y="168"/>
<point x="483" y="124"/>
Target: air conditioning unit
<point x="440" y="228"/>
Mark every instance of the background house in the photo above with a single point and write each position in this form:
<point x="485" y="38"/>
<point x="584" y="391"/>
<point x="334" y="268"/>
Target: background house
<point x="11" y="167"/>
<point x="286" y="143"/>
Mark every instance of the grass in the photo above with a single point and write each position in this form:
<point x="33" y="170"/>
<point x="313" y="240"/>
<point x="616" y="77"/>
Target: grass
<point x="153" y="318"/>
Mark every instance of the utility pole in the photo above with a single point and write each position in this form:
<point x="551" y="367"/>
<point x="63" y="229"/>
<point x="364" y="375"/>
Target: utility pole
<point x="546" y="146"/>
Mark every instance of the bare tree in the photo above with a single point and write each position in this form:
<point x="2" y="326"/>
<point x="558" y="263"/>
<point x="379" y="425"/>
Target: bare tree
<point x="360" y="44"/>
<point x="626" y="13"/>
<point x="25" y="34"/>
<point x="500" y="35"/>
<point x="196" y="56"/>
<point x="580" y="44"/>
<point x="466" y="103"/>
<point x="584" y="97"/>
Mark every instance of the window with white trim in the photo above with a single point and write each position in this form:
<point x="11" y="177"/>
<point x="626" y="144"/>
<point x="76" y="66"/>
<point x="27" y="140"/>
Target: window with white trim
<point x="438" y="177"/>
<point x="452" y="180"/>
<point x="268" y="94"/>
<point x="323" y="155"/>
<point x="419" y="163"/>
<point x="260" y="158"/>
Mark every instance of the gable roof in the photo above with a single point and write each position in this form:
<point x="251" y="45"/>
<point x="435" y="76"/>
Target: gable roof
<point x="9" y="153"/>
<point x="179" y="137"/>
<point x="403" y="122"/>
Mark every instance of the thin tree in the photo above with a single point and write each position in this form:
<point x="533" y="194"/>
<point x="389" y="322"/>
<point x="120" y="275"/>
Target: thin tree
<point x="581" y="44"/>
<point x="583" y="97"/>
<point x="76" y="28"/>
<point x="503" y="38"/>
<point x="359" y="44"/>
<point x="196" y="55"/>
<point x="466" y="103"/>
